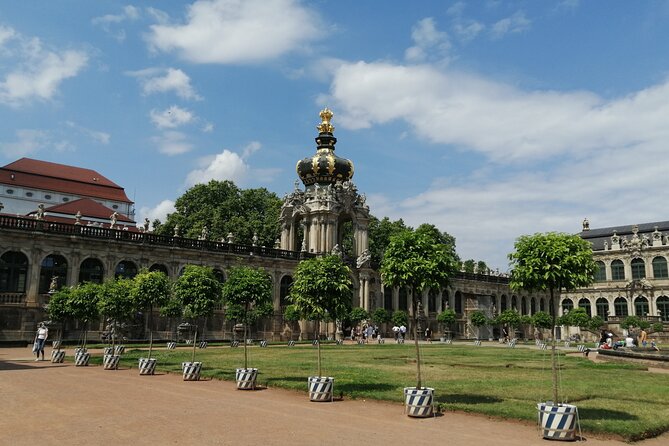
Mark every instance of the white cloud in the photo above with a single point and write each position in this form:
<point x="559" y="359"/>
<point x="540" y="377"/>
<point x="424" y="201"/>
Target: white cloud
<point x="427" y="39"/>
<point x="36" y="72"/>
<point x="468" y="30"/>
<point x="208" y="127"/>
<point x="250" y="149"/>
<point x="157" y="80"/>
<point x="27" y="141"/>
<point x="238" y="31"/>
<point x="159" y="211"/>
<point x="516" y="23"/>
<point x="108" y="21"/>
<point x="101" y="137"/>
<point x="171" y="117"/>
<point x="226" y="165"/>
<point x="172" y="143"/>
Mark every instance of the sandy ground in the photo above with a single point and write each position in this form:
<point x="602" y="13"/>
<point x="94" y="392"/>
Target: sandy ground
<point x="52" y="404"/>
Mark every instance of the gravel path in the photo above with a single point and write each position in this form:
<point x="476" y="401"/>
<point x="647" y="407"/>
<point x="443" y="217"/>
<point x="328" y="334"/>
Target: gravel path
<point x="54" y="404"/>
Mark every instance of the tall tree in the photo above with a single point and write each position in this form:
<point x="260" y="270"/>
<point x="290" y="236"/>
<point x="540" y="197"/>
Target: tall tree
<point x="554" y="262"/>
<point x="380" y="232"/>
<point x="151" y="289"/>
<point x="414" y="260"/>
<point x="321" y="289"/>
<point x="117" y="304"/>
<point x="251" y="290"/>
<point x="224" y="208"/>
<point x="83" y="305"/>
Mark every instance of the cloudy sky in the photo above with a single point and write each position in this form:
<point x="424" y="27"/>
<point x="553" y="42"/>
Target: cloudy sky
<point x="490" y="119"/>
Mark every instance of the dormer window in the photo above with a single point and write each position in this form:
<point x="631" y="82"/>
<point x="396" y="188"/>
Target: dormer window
<point x="47" y="197"/>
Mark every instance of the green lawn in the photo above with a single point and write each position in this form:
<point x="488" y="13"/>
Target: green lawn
<point x="622" y="400"/>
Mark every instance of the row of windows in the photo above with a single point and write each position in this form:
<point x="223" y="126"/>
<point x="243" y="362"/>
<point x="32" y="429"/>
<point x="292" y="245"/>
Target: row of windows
<point x="637" y="266"/>
<point x="48" y="197"/>
<point x="620" y="307"/>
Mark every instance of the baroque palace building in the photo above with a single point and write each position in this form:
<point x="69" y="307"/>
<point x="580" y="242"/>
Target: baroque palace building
<point x="87" y="233"/>
<point x="632" y="278"/>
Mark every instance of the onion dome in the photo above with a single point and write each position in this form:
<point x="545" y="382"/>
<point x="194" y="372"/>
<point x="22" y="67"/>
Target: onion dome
<point x="325" y="167"/>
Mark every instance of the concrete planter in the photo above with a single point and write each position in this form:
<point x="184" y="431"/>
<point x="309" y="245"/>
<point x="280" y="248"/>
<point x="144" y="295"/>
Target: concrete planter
<point x="108" y="351"/>
<point x="110" y="362"/>
<point x="557" y="421"/>
<point x="203" y="344"/>
<point x="171" y="345"/>
<point x="419" y="403"/>
<point x="119" y="349"/>
<point x="57" y="356"/>
<point x="56" y="345"/>
<point x="147" y="366"/>
<point x="246" y="379"/>
<point x="81" y="358"/>
<point x="191" y="370"/>
<point x="320" y="388"/>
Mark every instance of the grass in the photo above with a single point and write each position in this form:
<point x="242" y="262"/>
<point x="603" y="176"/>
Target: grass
<point x="622" y="400"/>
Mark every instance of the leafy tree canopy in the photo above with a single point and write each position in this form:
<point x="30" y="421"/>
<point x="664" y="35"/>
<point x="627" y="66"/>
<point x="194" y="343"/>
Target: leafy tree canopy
<point x="321" y="288"/>
<point x="634" y="322"/>
<point x="198" y="290"/>
<point x="541" y="319"/>
<point x="447" y="317"/>
<point x="250" y="289"/>
<point x="152" y="288"/>
<point x="478" y="318"/>
<point x="400" y="317"/>
<point x="58" y="306"/>
<point x="116" y="301"/>
<point x="509" y="318"/>
<point x="379" y="232"/>
<point x="224" y="208"/>
<point x="83" y="302"/>
<point x="357" y="314"/>
<point x="380" y="316"/>
<point x="291" y="313"/>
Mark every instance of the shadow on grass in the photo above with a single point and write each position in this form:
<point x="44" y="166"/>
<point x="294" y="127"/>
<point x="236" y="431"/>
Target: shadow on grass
<point x="467" y="399"/>
<point x="605" y="414"/>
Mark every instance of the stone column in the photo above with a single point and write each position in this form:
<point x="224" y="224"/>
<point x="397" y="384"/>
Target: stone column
<point x="276" y="290"/>
<point x="323" y="239"/>
<point x="439" y="301"/>
<point x="32" y="284"/>
<point x="396" y="298"/>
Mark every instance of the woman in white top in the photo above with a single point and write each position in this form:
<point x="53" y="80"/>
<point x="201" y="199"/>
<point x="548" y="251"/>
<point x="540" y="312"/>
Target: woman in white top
<point x="40" y="340"/>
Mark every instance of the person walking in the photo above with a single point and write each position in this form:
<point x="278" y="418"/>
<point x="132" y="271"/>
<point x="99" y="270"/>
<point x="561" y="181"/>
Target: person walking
<point x="40" y="340"/>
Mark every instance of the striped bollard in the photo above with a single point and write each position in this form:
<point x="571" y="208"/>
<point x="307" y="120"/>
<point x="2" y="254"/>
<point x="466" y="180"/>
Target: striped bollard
<point x="361" y="342"/>
<point x="119" y="349"/>
<point x="110" y="362"/>
<point x="189" y="341"/>
<point x="581" y="348"/>
<point x="448" y="341"/>
<point x="558" y="421"/>
<point x="543" y="346"/>
<point x="380" y="340"/>
<point x="147" y="366"/>
<point x="263" y="343"/>
<point x="246" y="379"/>
<point x="56" y="345"/>
<point x="511" y="344"/>
<point x="57" y="356"/>
<point x="234" y="344"/>
<point x="171" y="345"/>
<point x="108" y="351"/>
<point x="203" y="344"/>
<point x="315" y="342"/>
<point x="320" y="388"/>
<point x="249" y="342"/>
<point x="477" y="343"/>
<point x="191" y="370"/>
<point x="291" y="343"/>
<point x="339" y="342"/>
<point x="418" y="403"/>
<point x="81" y="358"/>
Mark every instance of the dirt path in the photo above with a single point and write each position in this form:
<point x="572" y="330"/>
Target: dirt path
<point x="50" y="404"/>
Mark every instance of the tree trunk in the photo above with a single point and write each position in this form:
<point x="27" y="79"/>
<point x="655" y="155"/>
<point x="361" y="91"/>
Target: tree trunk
<point x="554" y="355"/>
<point x="246" y="355"/>
<point x="318" y="345"/>
<point x="414" y="322"/>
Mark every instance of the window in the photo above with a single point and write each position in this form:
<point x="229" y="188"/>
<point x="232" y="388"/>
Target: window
<point x="52" y="266"/>
<point x="641" y="306"/>
<point x="660" y="268"/>
<point x="91" y="270"/>
<point x="638" y="269"/>
<point x="13" y="272"/>
<point x="523" y="305"/>
<point x="404" y="302"/>
<point x="125" y="269"/>
<point x="458" y="302"/>
<point x="600" y="274"/>
<point x="541" y="305"/>
<point x="115" y="206"/>
<point x="585" y="304"/>
<point x="65" y="199"/>
<point x="620" y="306"/>
<point x="29" y="194"/>
<point x="617" y="270"/>
<point x="388" y="298"/>
<point x="10" y="191"/>
<point x="602" y="308"/>
<point x="284" y="290"/>
<point x="533" y="305"/>
<point x="47" y="197"/>
<point x="663" y="308"/>
<point x="502" y="303"/>
<point x="567" y="306"/>
<point x="432" y="301"/>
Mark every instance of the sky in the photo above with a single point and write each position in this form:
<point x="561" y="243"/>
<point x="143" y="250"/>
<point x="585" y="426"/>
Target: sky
<point x="489" y="119"/>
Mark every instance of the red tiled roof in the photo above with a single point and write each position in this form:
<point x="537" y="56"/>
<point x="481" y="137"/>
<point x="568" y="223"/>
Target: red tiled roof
<point x="88" y="208"/>
<point x="37" y="174"/>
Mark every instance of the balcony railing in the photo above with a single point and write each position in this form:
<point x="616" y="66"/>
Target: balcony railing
<point x="12" y="299"/>
<point x="143" y="238"/>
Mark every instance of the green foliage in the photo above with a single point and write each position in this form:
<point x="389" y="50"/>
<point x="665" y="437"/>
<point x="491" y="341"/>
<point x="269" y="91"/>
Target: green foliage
<point x="380" y="316"/>
<point x="83" y="302"/>
<point x="481" y="267"/>
<point x="321" y="287"/>
<point x="291" y="313"/>
<point x="510" y="318"/>
<point x="447" y="317"/>
<point x="225" y="208"/>
<point x="173" y="307"/>
<point x="595" y="324"/>
<point x="116" y="299"/>
<point x="58" y="306"/>
<point x="657" y="327"/>
<point x="440" y="238"/>
<point x="198" y="290"/>
<point x="400" y="317"/>
<point x="541" y="319"/>
<point x="251" y="290"/>
<point x="151" y="288"/>
<point x="478" y="318"/>
<point x="526" y="319"/>
<point x="631" y="322"/>
<point x="380" y="232"/>
<point x="551" y="261"/>
<point x="468" y="266"/>
<point x="357" y="314"/>
<point x="577" y="317"/>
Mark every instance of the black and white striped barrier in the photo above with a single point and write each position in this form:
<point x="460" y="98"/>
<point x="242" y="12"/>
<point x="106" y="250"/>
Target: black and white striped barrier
<point x="147" y="366"/>
<point x="263" y="343"/>
<point x="171" y="345"/>
<point x="567" y="344"/>
<point x="108" y="351"/>
<point x="330" y="338"/>
<point x="315" y="342"/>
<point x="419" y="402"/>
<point x="119" y="349"/>
<point x="558" y="421"/>
<point x="543" y="346"/>
<point x="189" y="341"/>
<point x="57" y="356"/>
<point x="291" y="343"/>
<point x="246" y="378"/>
<point x="448" y="341"/>
<point x="110" y="362"/>
<point x="81" y="358"/>
<point x="380" y="340"/>
<point x="477" y="343"/>
<point x="249" y="342"/>
<point x="511" y="344"/>
<point x="339" y="342"/>
<point x="321" y="388"/>
<point x="55" y="345"/>
<point x="191" y="370"/>
<point x="203" y="344"/>
<point x="400" y="340"/>
<point x="234" y="343"/>
<point x="361" y="342"/>
<point x="581" y="348"/>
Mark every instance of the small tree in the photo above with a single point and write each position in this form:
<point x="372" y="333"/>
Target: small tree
<point x="83" y="306"/>
<point x="172" y="309"/>
<point x="400" y="317"/>
<point x="415" y="261"/>
<point x="447" y="318"/>
<point x="357" y="315"/>
<point x="291" y="315"/>
<point x="116" y="303"/>
<point x="552" y="262"/>
<point x="634" y="322"/>
<point x="58" y="309"/>
<point x="321" y="287"/>
<point x="251" y="290"/>
<point x="151" y="288"/>
<point x="380" y="316"/>
<point x="541" y="319"/>
<point x="199" y="291"/>
<point x="478" y="319"/>
<point x="657" y="327"/>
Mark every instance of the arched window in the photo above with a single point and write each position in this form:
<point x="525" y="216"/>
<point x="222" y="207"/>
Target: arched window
<point x="404" y="301"/>
<point x="620" y="306"/>
<point x="641" y="306"/>
<point x="444" y="300"/>
<point x="602" y="308"/>
<point x="52" y="266"/>
<point x="567" y="306"/>
<point x="432" y="301"/>
<point x="458" y="302"/>
<point x="533" y="305"/>
<point x="284" y="290"/>
<point x="91" y="270"/>
<point x="638" y="269"/>
<point x="388" y="298"/>
<point x="159" y="267"/>
<point x="600" y="273"/>
<point x="125" y="269"/>
<point x="523" y="305"/>
<point x="660" y="268"/>
<point x="585" y="304"/>
<point x="542" y="306"/>
<point x="663" y="308"/>
<point x="502" y="303"/>
<point x="617" y="270"/>
<point x="13" y="272"/>
<point x="514" y="303"/>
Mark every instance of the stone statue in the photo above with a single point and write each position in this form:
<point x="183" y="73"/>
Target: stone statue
<point x="147" y="223"/>
<point x="204" y="234"/>
<point x="176" y="231"/>
<point x="254" y="240"/>
<point x="40" y="212"/>
<point x="231" y="237"/>
<point x="113" y="218"/>
<point x="364" y="258"/>
<point x="53" y="286"/>
<point x="586" y="225"/>
<point x="277" y="244"/>
<point x="77" y="218"/>
<point x="336" y="250"/>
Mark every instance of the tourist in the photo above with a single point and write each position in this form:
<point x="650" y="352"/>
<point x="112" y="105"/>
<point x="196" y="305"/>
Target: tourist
<point x="629" y="341"/>
<point x="403" y="331"/>
<point x="428" y="334"/>
<point x="396" y="332"/>
<point x="40" y="340"/>
<point x="505" y="334"/>
<point x="643" y="338"/>
<point x="602" y="338"/>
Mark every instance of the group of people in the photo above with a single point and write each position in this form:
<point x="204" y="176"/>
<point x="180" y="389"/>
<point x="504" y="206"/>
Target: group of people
<point x="606" y="341"/>
<point x="367" y="332"/>
<point x="399" y="332"/>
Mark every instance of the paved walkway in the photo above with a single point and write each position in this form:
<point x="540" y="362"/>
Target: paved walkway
<point x="53" y="404"/>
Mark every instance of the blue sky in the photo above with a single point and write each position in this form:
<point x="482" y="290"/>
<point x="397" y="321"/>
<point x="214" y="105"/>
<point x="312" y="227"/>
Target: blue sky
<point x="489" y="119"/>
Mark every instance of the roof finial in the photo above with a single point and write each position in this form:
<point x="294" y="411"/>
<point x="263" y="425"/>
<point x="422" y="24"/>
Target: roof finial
<point x="325" y="126"/>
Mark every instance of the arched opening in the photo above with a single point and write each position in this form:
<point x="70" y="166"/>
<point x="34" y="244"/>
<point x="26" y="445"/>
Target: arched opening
<point x="602" y="308"/>
<point x="620" y="307"/>
<point x="617" y="270"/>
<point x="514" y="303"/>
<point x="542" y="305"/>
<point x="567" y="306"/>
<point x="284" y="290"/>
<point x="585" y="304"/>
<point x="125" y="269"/>
<point x="388" y="298"/>
<point x="432" y="301"/>
<point x="638" y="269"/>
<point x="641" y="307"/>
<point x="533" y="305"/>
<point x="502" y="303"/>
<point x="660" y="268"/>
<point x="159" y="267"/>
<point x="13" y="272"/>
<point x="52" y="266"/>
<point x="523" y="305"/>
<point x="445" y="299"/>
<point x="663" y="308"/>
<point x="220" y="275"/>
<point x="458" y="302"/>
<point x="404" y="301"/>
<point x="91" y="270"/>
